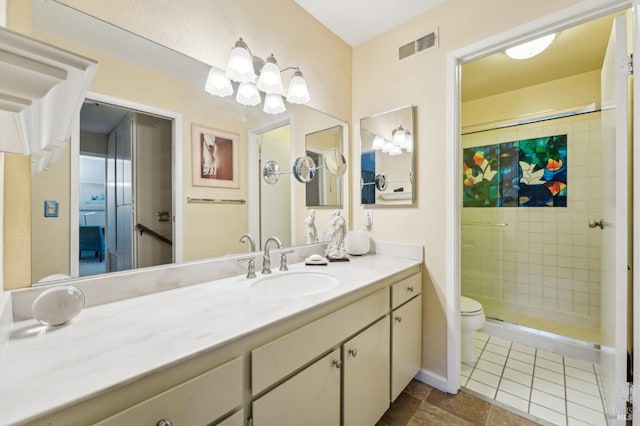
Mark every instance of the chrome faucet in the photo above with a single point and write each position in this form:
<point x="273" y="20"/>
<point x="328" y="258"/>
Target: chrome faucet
<point x="252" y="242"/>
<point x="266" y="257"/>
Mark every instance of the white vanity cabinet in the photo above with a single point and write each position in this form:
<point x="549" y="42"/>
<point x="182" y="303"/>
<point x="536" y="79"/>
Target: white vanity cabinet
<point x="311" y="397"/>
<point x="366" y="375"/>
<point x="341" y="364"/>
<point x="406" y="332"/>
<point x="198" y="401"/>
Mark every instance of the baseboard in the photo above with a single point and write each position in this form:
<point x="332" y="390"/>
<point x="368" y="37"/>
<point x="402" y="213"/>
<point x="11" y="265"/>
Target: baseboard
<point x="434" y="380"/>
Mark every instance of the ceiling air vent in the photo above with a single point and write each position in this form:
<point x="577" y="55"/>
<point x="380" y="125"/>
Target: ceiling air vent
<point x="420" y="45"/>
<point x="426" y="42"/>
<point x="407" y="50"/>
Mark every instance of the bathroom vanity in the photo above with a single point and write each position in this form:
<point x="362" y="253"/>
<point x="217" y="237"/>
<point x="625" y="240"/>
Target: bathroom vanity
<point x="228" y="350"/>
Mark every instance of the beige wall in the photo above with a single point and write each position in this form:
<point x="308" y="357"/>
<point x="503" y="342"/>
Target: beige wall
<point x="380" y="83"/>
<point x="17" y="222"/>
<point x="49" y="185"/>
<point x="557" y="95"/>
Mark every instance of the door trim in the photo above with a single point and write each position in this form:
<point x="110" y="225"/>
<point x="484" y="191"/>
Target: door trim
<point x="177" y="177"/>
<point x="562" y="19"/>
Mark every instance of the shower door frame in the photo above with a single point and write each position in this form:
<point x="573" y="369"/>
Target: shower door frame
<point x="580" y="13"/>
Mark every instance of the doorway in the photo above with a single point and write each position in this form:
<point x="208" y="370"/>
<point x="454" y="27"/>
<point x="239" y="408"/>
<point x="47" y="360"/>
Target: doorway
<point x="274" y="217"/>
<point x="556" y="22"/>
<point x="125" y="189"/>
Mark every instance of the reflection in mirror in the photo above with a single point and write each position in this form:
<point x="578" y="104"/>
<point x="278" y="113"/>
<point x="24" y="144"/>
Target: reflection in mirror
<point x="335" y="162"/>
<point x="304" y="169"/>
<point x="164" y="80"/>
<point x="271" y="172"/>
<point x="386" y="144"/>
<point x="325" y="148"/>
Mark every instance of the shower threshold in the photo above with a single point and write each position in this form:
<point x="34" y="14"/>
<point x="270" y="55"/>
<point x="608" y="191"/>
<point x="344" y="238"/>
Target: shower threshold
<point x="552" y="342"/>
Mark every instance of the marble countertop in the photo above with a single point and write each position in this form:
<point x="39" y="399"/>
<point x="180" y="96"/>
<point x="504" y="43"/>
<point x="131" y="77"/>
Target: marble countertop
<point x="115" y="343"/>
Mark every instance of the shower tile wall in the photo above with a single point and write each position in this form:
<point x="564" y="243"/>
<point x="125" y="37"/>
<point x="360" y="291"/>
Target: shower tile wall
<point x="542" y="270"/>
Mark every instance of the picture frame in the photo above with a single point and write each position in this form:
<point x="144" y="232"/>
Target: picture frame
<point x="214" y="157"/>
<point x="92" y="196"/>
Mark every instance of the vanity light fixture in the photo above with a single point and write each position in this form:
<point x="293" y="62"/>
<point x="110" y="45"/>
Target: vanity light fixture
<point x="401" y="139"/>
<point x="254" y="75"/>
<point x="378" y="143"/>
<point x="531" y="48"/>
<point x="398" y="136"/>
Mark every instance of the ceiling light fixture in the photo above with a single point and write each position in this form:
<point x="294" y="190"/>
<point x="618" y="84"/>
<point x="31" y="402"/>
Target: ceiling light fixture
<point x="254" y="75"/>
<point x="531" y="48"/>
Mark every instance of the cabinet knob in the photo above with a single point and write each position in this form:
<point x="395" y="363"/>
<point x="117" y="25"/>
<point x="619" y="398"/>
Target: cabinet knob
<point x="353" y="352"/>
<point x="410" y="289"/>
<point x="164" y="422"/>
<point x="337" y="363"/>
<point x="398" y="318"/>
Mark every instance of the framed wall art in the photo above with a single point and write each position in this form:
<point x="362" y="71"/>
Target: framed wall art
<point x="215" y="158"/>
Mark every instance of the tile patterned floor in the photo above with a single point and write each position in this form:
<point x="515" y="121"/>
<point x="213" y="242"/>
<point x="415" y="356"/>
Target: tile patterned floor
<point x="420" y="404"/>
<point x="549" y="387"/>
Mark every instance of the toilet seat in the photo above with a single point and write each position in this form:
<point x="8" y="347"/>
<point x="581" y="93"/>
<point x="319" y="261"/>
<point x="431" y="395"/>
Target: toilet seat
<point x="469" y="307"/>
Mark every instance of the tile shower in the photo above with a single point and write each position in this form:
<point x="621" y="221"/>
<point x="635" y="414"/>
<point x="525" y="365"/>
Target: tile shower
<point x="539" y="267"/>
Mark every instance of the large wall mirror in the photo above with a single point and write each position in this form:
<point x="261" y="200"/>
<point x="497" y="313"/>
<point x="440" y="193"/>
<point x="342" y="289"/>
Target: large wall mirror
<point x="209" y="220"/>
<point x="387" y="143"/>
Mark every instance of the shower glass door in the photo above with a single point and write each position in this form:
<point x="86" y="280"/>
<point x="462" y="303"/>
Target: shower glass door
<point x="527" y="253"/>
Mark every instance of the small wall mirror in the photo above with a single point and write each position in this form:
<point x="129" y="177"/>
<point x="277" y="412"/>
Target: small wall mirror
<point x="387" y="143"/>
<point x="324" y="147"/>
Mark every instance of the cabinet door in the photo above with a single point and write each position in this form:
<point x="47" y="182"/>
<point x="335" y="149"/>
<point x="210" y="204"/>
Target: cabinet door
<point x="366" y="375"/>
<point x="311" y="397"/>
<point x="406" y="344"/>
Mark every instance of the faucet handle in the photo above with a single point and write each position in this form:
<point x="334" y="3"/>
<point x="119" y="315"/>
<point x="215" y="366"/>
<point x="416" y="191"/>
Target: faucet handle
<point x="251" y="271"/>
<point x="283" y="260"/>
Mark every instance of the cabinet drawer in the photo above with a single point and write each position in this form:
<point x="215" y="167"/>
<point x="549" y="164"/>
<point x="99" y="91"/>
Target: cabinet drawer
<point x="405" y="290"/>
<point x="310" y="398"/>
<point x="198" y="401"/>
<point x="275" y="360"/>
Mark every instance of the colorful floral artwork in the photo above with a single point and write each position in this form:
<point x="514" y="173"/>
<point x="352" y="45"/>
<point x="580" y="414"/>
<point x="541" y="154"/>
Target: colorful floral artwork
<point x="543" y="177"/>
<point x="527" y="173"/>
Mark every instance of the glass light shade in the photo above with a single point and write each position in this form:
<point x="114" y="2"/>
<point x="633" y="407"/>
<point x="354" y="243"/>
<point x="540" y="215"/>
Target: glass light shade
<point x="531" y="48"/>
<point x="218" y="84"/>
<point x="248" y="94"/>
<point x="409" y="144"/>
<point x="387" y="147"/>
<point x="240" y="64"/>
<point x="398" y="136"/>
<point x="270" y="80"/>
<point x="273" y="104"/>
<point x="395" y="150"/>
<point x="298" y="92"/>
<point x="378" y="143"/>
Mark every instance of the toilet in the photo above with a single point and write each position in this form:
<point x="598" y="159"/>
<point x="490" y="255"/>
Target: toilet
<point x="471" y="319"/>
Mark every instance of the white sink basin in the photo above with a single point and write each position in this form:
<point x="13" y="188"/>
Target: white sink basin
<point x="294" y="284"/>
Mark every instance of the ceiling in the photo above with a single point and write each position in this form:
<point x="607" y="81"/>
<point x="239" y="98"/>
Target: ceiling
<point x="356" y="21"/>
<point x="574" y="51"/>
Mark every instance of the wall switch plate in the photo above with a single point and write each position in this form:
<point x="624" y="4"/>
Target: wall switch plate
<point x="368" y="218"/>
